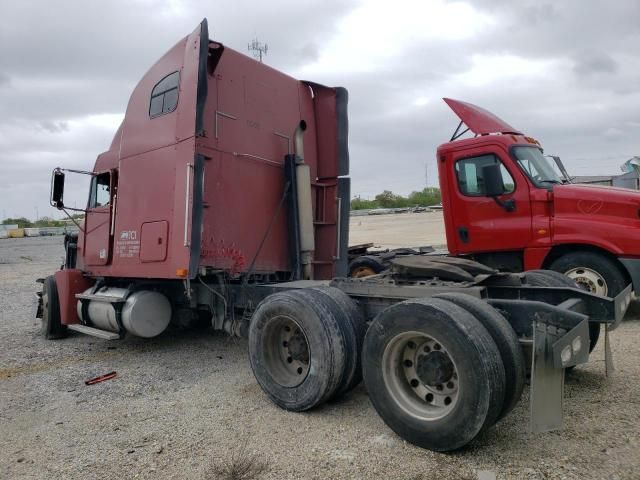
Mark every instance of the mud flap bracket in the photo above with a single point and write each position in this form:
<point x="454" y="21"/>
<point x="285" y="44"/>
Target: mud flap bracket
<point x="554" y="349"/>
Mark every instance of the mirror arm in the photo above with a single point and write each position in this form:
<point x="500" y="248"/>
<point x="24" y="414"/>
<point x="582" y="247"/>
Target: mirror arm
<point x="73" y="219"/>
<point x="508" y="205"/>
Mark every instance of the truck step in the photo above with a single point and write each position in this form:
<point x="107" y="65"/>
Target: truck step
<point x="94" y="332"/>
<point x="99" y="298"/>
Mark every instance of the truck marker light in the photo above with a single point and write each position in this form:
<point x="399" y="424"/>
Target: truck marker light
<point x="565" y="355"/>
<point x="181" y="272"/>
<point x="542" y="231"/>
<point x="576" y="345"/>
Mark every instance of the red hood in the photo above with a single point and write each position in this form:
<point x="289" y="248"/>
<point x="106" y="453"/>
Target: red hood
<point x="596" y="200"/>
<point x="604" y="217"/>
<point x="479" y="120"/>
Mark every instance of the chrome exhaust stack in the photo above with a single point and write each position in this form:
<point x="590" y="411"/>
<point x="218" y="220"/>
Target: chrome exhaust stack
<point x="305" y="209"/>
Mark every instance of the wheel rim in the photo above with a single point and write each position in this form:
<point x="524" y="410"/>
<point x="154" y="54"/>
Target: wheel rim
<point x="589" y="280"/>
<point x="287" y="352"/>
<point x="420" y="376"/>
<point x="362" y="272"/>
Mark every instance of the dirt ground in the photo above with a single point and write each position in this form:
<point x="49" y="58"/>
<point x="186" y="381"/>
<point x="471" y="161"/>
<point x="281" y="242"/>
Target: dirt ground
<point x="400" y="230"/>
<point x="186" y="406"/>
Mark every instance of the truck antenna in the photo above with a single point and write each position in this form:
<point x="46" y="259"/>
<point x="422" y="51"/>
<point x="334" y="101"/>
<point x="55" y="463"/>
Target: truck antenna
<point x="258" y="49"/>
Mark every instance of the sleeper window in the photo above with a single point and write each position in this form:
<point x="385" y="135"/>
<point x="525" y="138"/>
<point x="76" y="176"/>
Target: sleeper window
<point x="164" y="96"/>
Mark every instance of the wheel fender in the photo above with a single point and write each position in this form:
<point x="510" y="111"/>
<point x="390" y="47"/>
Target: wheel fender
<point x="632" y="266"/>
<point x="69" y="283"/>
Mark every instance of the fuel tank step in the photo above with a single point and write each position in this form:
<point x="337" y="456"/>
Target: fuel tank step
<point x="94" y="332"/>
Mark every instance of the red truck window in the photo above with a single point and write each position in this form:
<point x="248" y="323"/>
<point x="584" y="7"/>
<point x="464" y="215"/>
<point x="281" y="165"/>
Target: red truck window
<point x="164" y="96"/>
<point x="100" y="195"/>
<point x="469" y="175"/>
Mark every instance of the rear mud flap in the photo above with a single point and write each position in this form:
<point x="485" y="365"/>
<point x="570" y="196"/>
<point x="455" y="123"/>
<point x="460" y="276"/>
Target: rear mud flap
<point x="621" y="304"/>
<point x="609" y="368"/>
<point x="554" y="349"/>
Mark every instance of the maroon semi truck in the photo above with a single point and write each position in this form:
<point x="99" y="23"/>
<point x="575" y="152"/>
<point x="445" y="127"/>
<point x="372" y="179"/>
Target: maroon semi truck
<point x="224" y="197"/>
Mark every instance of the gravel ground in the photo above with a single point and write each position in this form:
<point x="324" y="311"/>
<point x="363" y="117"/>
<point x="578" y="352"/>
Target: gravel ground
<point x="185" y="404"/>
<point x="399" y="230"/>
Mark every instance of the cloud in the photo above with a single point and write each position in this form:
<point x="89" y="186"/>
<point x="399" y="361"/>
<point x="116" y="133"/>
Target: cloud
<point x="54" y="127"/>
<point x="588" y="63"/>
<point x="565" y="72"/>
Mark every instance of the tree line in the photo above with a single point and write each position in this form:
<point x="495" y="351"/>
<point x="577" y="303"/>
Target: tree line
<point x="387" y="199"/>
<point x="23" y="222"/>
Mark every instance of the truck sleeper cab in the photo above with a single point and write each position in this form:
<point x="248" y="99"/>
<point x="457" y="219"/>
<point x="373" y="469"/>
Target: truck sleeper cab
<point x="224" y="199"/>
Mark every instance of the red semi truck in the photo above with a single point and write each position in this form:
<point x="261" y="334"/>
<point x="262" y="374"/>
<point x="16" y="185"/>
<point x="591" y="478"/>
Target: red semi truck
<point x="533" y="218"/>
<point x="224" y="197"/>
<point x="506" y="207"/>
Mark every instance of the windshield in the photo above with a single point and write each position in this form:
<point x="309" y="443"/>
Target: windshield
<point x="536" y="166"/>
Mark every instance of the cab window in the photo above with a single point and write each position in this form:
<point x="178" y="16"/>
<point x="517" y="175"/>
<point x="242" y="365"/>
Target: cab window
<point x="100" y="194"/>
<point x="469" y="175"/>
<point x="164" y="96"/>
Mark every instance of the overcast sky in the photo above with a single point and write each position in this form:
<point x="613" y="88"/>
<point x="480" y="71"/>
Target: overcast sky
<point x="565" y="72"/>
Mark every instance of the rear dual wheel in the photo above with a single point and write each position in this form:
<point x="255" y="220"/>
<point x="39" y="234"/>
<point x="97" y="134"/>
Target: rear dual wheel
<point x="305" y="346"/>
<point x="506" y="341"/>
<point x="433" y="373"/>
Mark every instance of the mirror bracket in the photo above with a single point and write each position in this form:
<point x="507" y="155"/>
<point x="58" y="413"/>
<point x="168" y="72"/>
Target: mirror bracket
<point x="508" y="205"/>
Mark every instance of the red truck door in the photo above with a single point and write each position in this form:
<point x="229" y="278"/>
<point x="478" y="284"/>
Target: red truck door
<point x="479" y="223"/>
<point x="99" y="219"/>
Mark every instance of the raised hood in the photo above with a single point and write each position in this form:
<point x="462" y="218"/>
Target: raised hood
<point x="479" y="120"/>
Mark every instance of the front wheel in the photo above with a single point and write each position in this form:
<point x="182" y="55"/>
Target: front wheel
<point x="52" y="327"/>
<point x="592" y="272"/>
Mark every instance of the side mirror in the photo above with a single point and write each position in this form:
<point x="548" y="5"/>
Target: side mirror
<point x="493" y="183"/>
<point x="57" y="189"/>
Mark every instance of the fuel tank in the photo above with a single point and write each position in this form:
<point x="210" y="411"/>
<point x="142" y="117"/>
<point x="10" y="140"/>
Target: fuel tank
<point x="144" y="314"/>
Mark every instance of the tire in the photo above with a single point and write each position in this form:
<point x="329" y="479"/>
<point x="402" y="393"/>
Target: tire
<point x="283" y="328"/>
<point x="354" y="328"/>
<point x="583" y="267"/>
<point x="459" y="352"/>
<point x="52" y="328"/>
<point x="365" y="266"/>
<point x="552" y="278"/>
<point x="549" y="278"/>
<point x="505" y="339"/>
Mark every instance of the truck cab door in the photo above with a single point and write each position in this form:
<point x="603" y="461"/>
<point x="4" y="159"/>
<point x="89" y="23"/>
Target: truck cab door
<point x="480" y="223"/>
<point x="99" y="218"/>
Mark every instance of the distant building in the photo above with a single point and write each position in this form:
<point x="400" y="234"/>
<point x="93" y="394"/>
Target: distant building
<point x="594" y="179"/>
<point x="629" y="179"/>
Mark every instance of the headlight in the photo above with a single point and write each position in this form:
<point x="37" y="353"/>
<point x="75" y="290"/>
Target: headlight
<point x="576" y="345"/>
<point x="565" y="354"/>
